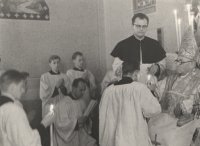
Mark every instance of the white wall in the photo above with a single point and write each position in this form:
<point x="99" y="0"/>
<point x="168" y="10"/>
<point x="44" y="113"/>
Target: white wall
<point x="73" y="26"/>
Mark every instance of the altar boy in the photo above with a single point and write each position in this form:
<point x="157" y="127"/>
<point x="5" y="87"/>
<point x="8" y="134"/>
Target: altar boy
<point x="79" y="72"/>
<point x="53" y="85"/>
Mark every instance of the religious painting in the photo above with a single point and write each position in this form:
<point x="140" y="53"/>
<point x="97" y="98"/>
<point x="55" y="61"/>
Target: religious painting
<point x="24" y="9"/>
<point x="142" y="5"/>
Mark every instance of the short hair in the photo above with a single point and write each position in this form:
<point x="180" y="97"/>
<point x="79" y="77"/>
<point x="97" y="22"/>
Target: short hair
<point x="76" y="81"/>
<point x="76" y="54"/>
<point x="53" y="57"/>
<point x="11" y="76"/>
<point x="141" y="16"/>
<point x="130" y="66"/>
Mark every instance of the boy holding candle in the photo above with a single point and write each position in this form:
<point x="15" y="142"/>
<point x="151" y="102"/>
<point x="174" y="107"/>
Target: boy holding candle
<point x="14" y="126"/>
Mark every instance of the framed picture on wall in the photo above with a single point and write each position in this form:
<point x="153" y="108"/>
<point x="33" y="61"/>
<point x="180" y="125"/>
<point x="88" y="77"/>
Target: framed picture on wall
<point x="24" y="9"/>
<point x="144" y="6"/>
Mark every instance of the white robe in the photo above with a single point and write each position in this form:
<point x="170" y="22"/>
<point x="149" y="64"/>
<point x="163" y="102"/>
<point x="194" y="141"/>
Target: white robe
<point x="67" y="112"/>
<point x="47" y="86"/>
<point x="109" y="77"/>
<point x="14" y="127"/>
<point x="88" y="76"/>
<point x="123" y="113"/>
<point x="165" y="126"/>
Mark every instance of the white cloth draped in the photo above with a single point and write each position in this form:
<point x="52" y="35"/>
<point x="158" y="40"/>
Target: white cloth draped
<point x="47" y="86"/>
<point x="14" y="127"/>
<point x="123" y="113"/>
<point x="67" y="111"/>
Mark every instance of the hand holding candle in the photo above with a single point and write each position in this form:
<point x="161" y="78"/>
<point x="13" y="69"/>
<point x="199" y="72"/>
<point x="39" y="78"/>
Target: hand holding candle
<point x="49" y="118"/>
<point x="51" y="109"/>
<point x="51" y="127"/>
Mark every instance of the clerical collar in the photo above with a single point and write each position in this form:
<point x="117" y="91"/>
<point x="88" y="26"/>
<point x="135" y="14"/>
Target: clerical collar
<point x="78" y="69"/>
<point x="5" y="99"/>
<point x="138" y="38"/>
<point x="53" y="73"/>
<point x="124" y="80"/>
<point x="72" y="96"/>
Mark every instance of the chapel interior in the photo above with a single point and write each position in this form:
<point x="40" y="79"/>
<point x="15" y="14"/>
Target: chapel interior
<point x="92" y="27"/>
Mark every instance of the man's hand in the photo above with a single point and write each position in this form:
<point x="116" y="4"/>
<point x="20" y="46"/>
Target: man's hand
<point x="48" y="119"/>
<point x="59" y="82"/>
<point x="81" y="121"/>
<point x="153" y="69"/>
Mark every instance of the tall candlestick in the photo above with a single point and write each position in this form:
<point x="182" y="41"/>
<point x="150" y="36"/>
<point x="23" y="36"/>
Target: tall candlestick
<point x="188" y="10"/>
<point x="176" y="24"/>
<point x="179" y="30"/>
<point x="192" y="22"/>
<point x="51" y="126"/>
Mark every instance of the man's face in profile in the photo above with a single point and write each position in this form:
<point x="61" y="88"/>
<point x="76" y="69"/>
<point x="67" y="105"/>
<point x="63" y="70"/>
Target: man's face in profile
<point x="80" y="90"/>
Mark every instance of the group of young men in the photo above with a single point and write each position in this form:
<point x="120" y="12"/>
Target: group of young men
<point x="69" y="94"/>
<point x="134" y="109"/>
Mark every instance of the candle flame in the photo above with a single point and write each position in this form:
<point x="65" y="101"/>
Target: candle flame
<point x="188" y="7"/>
<point x="148" y="77"/>
<point x="51" y="108"/>
<point x="175" y="12"/>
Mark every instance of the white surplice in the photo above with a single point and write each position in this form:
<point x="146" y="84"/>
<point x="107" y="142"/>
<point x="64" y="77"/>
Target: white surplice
<point x="47" y="85"/>
<point x="123" y="112"/>
<point x="67" y="111"/>
<point x="109" y="77"/>
<point x="14" y="127"/>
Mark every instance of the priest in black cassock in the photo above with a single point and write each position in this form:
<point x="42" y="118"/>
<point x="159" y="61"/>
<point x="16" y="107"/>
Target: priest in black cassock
<point x="145" y="50"/>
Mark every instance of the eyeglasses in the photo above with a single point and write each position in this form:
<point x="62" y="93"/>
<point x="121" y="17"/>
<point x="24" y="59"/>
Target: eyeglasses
<point x="140" y="26"/>
<point x="181" y="62"/>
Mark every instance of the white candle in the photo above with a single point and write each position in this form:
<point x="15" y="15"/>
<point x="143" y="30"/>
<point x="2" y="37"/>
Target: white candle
<point x="179" y="30"/>
<point x="51" y="126"/>
<point x="176" y="24"/>
<point x="188" y="9"/>
<point x="192" y="22"/>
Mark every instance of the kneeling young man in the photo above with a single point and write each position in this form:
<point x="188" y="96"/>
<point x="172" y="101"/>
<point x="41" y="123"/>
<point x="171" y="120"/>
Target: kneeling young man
<point x="72" y="128"/>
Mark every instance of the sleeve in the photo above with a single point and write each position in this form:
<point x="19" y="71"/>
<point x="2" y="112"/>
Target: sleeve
<point x="19" y="130"/>
<point x="67" y="84"/>
<point x="70" y="80"/>
<point x="149" y="104"/>
<point x="162" y="67"/>
<point x="65" y="126"/>
<point x="116" y="52"/>
<point x="160" y="88"/>
<point x="45" y="89"/>
<point x="105" y="82"/>
<point x="92" y="80"/>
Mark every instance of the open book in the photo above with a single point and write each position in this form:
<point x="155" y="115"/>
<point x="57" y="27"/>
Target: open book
<point x="90" y="107"/>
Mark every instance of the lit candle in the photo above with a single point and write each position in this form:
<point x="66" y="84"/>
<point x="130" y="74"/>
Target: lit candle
<point x="179" y="30"/>
<point x="188" y="10"/>
<point x="51" y="126"/>
<point x="176" y="24"/>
